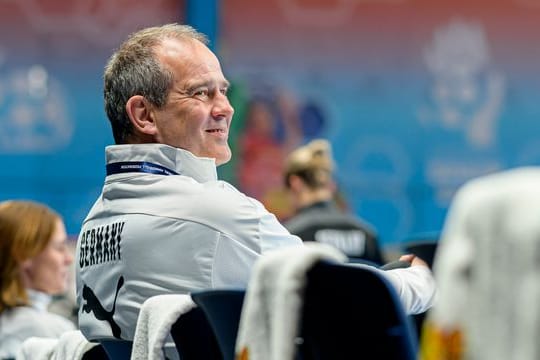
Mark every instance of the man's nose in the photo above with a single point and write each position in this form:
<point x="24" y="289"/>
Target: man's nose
<point x="222" y="107"/>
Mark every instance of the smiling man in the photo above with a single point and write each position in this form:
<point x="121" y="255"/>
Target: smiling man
<point x="164" y="223"/>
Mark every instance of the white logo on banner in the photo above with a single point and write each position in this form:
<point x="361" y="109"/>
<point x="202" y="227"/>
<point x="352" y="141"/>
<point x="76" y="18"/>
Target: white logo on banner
<point x="466" y="94"/>
<point x="446" y="175"/>
<point x="33" y="112"/>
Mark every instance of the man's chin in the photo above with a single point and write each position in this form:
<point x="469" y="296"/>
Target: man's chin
<point x="223" y="159"/>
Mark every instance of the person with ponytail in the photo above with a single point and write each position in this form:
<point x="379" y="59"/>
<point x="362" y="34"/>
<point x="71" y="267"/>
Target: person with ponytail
<point x="309" y="178"/>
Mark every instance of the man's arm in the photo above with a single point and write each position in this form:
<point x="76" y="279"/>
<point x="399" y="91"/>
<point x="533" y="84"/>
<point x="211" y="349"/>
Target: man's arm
<point x="273" y="235"/>
<point x="415" y="285"/>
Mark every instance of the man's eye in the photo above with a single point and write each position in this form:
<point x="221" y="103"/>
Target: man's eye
<point x="224" y="91"/>
<point x="201" y="92"/>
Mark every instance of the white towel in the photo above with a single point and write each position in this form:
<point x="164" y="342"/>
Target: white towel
<point x="156" y="318"/>
<point x="71" y="345"/>
<point x="36" y="348"/>
<point x="269" y="323"/>
<point x="487" y="269"/>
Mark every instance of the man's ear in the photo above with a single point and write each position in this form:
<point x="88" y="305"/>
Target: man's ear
<point x="140" y="114"/>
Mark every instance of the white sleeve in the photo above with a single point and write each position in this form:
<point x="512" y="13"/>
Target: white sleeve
<point x="415" y="286"/>
<point x="272" y="233"/>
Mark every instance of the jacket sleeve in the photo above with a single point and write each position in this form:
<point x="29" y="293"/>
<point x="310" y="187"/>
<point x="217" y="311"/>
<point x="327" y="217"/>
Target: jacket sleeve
<point x="415" y="286"/>
<point x="272" y="233"/>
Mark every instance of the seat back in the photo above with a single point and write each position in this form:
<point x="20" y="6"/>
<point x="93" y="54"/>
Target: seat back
<point x="222" y="308"/>
<point x="356" y="260"/>
<point x="350" y="313"/>
<point x="116" y="349"/>
<point x="194" y="338"/>
<point x="96" y="353"/>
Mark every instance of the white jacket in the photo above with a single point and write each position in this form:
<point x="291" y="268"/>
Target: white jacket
<point x="150" y="233"/>
<point x="22" y="322"/>
<point x="164" y="224"/>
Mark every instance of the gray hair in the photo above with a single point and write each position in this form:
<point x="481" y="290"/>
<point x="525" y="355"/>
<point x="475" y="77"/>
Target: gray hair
<point x="134" y="70"/>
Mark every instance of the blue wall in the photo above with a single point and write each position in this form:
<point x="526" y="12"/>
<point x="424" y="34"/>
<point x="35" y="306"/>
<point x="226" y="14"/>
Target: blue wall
<point x="410" y="118"/>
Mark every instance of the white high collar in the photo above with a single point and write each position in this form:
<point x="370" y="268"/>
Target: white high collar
<point x="181" y="161"/>
<point x="38" y="300"/>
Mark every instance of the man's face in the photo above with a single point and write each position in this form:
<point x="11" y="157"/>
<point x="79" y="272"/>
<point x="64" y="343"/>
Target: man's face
<point x="197" y="115"/>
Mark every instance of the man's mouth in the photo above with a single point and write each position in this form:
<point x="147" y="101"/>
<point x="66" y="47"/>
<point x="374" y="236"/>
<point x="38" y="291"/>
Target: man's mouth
<point x="222" y="133"/>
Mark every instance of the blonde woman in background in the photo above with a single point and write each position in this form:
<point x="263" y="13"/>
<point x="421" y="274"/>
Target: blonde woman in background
<point x="34" y="263"/>
<point x="309" y="179"/>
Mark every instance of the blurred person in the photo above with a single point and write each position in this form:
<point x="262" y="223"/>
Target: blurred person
<point x="486" y="267"/>
<point x="308" y="176"/>
<point x="263" y="149"/>
<point x="65" y="304"/>
<point x="164" y="223"/>
<point x="34" y="264"/>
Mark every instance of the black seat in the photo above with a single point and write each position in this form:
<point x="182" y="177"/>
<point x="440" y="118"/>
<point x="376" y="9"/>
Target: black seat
<point x="222" y="308"/>
<point x="117" y="349"/>
<point x="353" y="313"/>
<point x="96" y="353"/>
<point x="194" y="338"/>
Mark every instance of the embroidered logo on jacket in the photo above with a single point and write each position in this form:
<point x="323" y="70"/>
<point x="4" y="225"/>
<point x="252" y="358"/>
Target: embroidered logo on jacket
<point x="94" y="305"/>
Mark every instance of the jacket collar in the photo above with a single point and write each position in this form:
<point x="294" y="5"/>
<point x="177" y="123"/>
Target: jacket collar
<point x="180" y="161"/>
<point x="38" y="300"/>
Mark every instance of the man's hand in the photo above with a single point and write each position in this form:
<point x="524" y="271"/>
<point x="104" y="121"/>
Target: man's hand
<point x="413" y="259"/>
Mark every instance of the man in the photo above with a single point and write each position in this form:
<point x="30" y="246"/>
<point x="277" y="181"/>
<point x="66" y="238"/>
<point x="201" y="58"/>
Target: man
<point x="308" y="177"/>
<point x="164" y="223"/>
